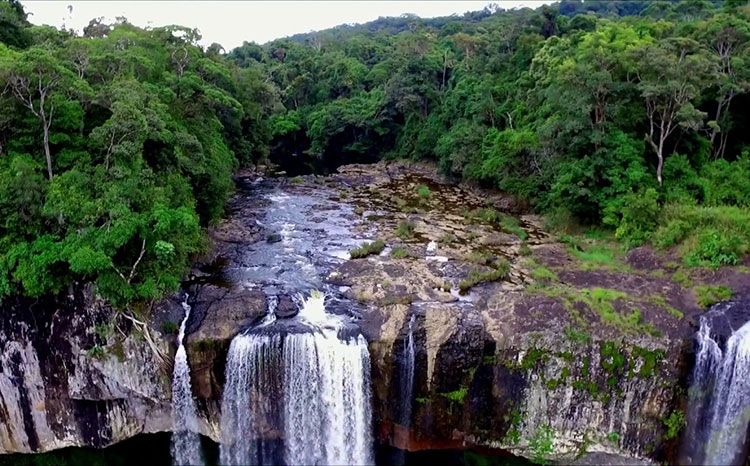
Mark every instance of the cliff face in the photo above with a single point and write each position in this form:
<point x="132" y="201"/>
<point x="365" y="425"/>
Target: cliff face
<point x="574" y="360"/>
<point x="481" y="382"/>
<point x="68" y="377"/>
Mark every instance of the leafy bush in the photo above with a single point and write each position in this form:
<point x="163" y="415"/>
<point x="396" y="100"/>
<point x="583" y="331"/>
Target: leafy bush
<point x="640" y="214"/>
<point x="674" y="424"/>
<point x="399" y="253"/>
<point x="728" y="183"/>
<point x="375" y="247"/>
<point x="405" y="230"/>
<point x="711" y="236"/>
<point x="714" y="249"/>
<point x="709" y="295"/>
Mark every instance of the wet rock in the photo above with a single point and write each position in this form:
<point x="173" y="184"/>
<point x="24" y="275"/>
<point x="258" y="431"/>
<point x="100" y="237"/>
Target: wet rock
<point x="286" y="308"/>
<point x="273" y="238"/>
<point x="219" y="313"/>
<point x="68" y="377"/>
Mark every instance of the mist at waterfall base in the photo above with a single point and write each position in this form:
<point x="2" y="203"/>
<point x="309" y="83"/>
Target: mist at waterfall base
<point x="718" y="411"/>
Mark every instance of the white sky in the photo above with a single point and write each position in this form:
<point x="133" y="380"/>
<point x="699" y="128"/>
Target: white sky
<point x="231" y="22"/>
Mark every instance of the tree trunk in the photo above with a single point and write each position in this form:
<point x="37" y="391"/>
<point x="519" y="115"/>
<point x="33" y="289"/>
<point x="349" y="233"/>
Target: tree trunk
<point x="660" y="155"/>
<point x="47" y="153"/>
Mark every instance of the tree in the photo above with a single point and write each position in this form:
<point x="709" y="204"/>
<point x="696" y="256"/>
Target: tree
<point x="727" y="37"/>
<point x="670" y="76"/>
<point x="39" y="82"/>
<point x="13" y="25"/>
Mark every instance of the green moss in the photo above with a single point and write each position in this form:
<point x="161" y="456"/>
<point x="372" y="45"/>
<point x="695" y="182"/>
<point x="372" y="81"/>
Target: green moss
<point x="169" y="327"/>
<point x="424" y="193"/>
<point x="532" y="357"/>
<point x="405" y="230"/>
<point x="297" y="180"/>
<point x="577" y="335"/>
<point x="118" y="351"/>
<point x="422" y="400"/>
<point x="399" y="253"/>
<point x="391" y="300"/>
<point x="479" y="257"/>
<point x="709" y="295"/>
<point x="613" y="360"/>
<point x="543" y="273"/>
<point x="376" y="247"/>
<point x="103" y="331"/>
<point x="525" y="250"/>
<point x="541" y="444"/>
<point x="650" y="364"/>
<point x="682" y="277"/>
<point x="489" y="360"/>
<point x="95" y="352"/>
<point x="500" y="271"/>
<point x="497" y="219"/>
<point x="457" y="396"/>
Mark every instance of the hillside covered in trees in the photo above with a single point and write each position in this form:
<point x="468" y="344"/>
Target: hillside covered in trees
<point x="117" y="146"/>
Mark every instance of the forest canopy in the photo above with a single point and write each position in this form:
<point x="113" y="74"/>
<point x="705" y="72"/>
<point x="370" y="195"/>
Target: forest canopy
<point x="115" y="148"/>
<point x="117" y="145"/>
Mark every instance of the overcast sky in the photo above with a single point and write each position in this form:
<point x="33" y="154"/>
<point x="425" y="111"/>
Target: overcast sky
<point x="231" y="22"/>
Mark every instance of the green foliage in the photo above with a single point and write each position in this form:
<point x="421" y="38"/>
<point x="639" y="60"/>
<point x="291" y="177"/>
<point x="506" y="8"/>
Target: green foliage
<point x="674" y="424"/>
<point x="424" y="193"/>
<point x="640" y="212"/>
<point x="709" y="295"/>
<point x="457" y="396"/>
<point x="497" y="219"/>
<point x="500" y="270"/>
<point x="399" y="253"/>
<point x="95" y="352"/>
<point x="714" y="249"/>
<point x="710" y="236"/>
<point x="605" y="119"/>
<point x="375" y="247"/>
<point x="541" y="444"/>
<point x="405" y="230"/>
<point x="543" y="273"/>
<point x="115" y="157"/>
<point x="169" y="327"/>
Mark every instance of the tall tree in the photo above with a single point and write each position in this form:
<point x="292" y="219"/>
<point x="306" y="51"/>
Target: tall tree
<point x="38" y="81"/>
<point x="727" y="36"/>
<point x="670" y="76"/>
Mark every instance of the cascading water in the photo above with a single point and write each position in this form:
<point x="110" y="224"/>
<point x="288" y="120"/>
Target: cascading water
<point x="185" y="439"/>
<point x="719" y="397"/>
<point x="306" y="384"/>
<point x="407" y="375"/>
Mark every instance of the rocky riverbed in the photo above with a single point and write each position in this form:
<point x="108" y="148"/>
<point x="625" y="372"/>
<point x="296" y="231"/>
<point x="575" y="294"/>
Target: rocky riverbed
<point x="509" y="337"/>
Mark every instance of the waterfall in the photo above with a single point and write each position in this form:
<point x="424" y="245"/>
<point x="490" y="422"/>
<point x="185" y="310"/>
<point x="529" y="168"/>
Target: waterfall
<point x="407" y="375"/>
<point x="720" y="396"/>
<point x="305" y="385"/>
<point x="185" y="439"/>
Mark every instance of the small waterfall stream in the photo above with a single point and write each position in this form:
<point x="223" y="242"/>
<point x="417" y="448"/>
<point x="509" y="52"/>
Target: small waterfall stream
<point x="719" y="410"/>
<point x="407" y="375"/>
<point x="298" y="392"/>
<point x="186" y="447"/>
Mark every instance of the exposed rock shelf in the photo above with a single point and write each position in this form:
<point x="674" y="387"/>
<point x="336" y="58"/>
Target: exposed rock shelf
<point x="514" y="336"/>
